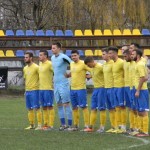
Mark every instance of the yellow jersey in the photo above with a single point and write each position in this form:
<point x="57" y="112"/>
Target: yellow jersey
<point x="78" y="75"/>
<point x="132" y="74"/>
<point x="118" y="73"/>
<point x="31" y="75"/>
<point x="108" y="75"/>
<point x="140" y="71"/>
<point x="45" y="75"/>
<point x="97" y="76"/>
<point x="126" y="74"/>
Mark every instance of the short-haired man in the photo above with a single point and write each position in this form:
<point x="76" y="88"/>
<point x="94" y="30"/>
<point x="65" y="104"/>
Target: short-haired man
<point x="31" y="75"/>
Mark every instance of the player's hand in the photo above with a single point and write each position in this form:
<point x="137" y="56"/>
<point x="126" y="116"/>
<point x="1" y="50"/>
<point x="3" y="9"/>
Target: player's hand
<point x="137" y="93"/>
<point x="67" y="75"/>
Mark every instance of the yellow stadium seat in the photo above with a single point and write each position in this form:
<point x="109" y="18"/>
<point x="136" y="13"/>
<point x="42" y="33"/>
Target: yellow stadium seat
<point x="10" y="53"/>
<point x="2" y="33"/>
<point x="2" y="53"/>
<point x="97" y="52"/>
<point x="147" y="52"/>
<point x="88" y="33"/>
<point x="117" y="32"/>
<point x="107" y="32"/>
<point x="78" y="33"/>
<point x="119" y="52"/>
<point x="88" y="53"/>
<point x="127" y="32"/>
<point x="97" y="32"/>
<point x="136" y="32"/>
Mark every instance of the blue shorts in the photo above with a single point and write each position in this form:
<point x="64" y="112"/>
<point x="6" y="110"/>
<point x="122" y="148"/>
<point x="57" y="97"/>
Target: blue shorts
<point x="98" y="100"/>
<point x="143" y="101"/>
<point x="62" y="93"/>
<point x="109" y="98"/>
<point x="127" y="96"/>
<point x="32" y="99"/>
<point x="78" y="98"/>
<point x="46" y="97"/>
<point x="133" y="99"/>
<point x="119" y="97"/>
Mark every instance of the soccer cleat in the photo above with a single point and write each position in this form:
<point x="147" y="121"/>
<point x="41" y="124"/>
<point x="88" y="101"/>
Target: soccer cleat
<point x="84" y="128"/>
<point x="30" y="127"/>
<point x="110" y="130"/>
<point x="142" y="134"/>
<point x="48" y="128"/>
<point x="134" y="133"/>
<point x="101" y="130"/>
<point x="63" y="127"/>
<point x="75" y="128"/>
<point x="118" y="131"/>
<point x="88" y="130"/>
<point x="39" y="127"/>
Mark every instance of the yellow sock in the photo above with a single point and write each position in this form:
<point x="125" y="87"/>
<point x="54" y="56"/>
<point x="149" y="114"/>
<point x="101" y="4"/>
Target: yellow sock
<point x="76" y="116"/>
<point x="45" y="116"/>
<point x="39" y="116"/>
<point x="135" y="121"/>
<point x="117" y="117"/>
<point x="140" y="123"/>
<point x="112" y="118"/>
<point x="31" y="117"/>
<point x="145" y="124"/>
<point x="123" y="116"/>
<point x="93" y="116"/>
<point x="86" y="116"/>
<point x="51" y="117"/>
<point x="102" y="117"/>
<point x="131" y="119"/>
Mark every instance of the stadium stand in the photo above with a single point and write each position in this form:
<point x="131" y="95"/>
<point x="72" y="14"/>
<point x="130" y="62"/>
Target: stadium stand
<point x="19" y="53"/>
<point x="117" y="32"/>
<point x="136" y="32"/>
<point x="145" y="32"/>
<point x="68" y="33"/>
<point x="10" y="33"/>
<point x="97" y="32"/>
<point x="127" y="32"/>
<point x="107" y="32"/>
<point x="2" y="53"/>
<point x="2" y="33"/>
<point x="50" y="33"/>
<point x="29" y="33"/>
<point x="10" y="53"/>
<point x="20" y="33"/>
<point x="88" y="33"/>
<point x="88" y="53"/>
<point x="59" y="33"/>
<point x="40" y="33"/>
<point x="78" y="33"/>
<point x="97" y="52"/>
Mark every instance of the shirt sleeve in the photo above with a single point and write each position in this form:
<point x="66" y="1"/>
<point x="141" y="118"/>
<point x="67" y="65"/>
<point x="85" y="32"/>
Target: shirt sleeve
<point x="66" y="59"/>
<point x="141" y="69"/>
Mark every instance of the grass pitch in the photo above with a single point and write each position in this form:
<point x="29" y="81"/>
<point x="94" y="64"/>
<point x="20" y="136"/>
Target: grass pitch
<point x="13" y="120"/>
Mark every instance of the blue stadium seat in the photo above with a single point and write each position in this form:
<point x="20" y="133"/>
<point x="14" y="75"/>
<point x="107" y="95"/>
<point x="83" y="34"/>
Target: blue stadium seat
<point x="19" y="33"/>
<point x="145" y="32"/>
<point x="29" y="33"/>
<point x="81" y="52"/>
<point x="68" y="52"/>
<point x="10" y="33"/>
<point x="40" y="33"/>
<point x="37" y="53"/>
<point x="50" y="52"/>
<point x="31" y="52"/>
<point x="20" y="53"/>
<point x="59" y="33"/>
<point x="68" y="33"/>
<point x="49" y="33"/>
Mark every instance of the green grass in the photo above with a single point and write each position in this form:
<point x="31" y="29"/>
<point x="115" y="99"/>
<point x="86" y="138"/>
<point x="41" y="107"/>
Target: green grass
<point x="13" y="120"/>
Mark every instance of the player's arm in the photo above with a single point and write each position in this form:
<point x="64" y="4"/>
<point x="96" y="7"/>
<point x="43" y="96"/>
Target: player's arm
<point x="67" y="75"/>
<point x="141" y="71"/>
<point x="66" y="59"/>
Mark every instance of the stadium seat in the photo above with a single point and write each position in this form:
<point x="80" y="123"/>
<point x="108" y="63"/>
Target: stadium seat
<point x="127" y="32"/>
<point x="50" y="52"/>
<point x="117" y="32"/>
<point x="107" y="32"/>
<point x="97" y="52"/>
<point x="19" y="33"/>
<point x="88" y="33"/>
<point x="136" y="32"/>
<point x="59" y="33"/>
<point x="68" y="33"/>
<point x="81" y="52"/>
<point x="19" y="53"/>
<point x="49" y="33"/>
<point x="68" y="52"/>
<point x="10" y="53"/>
<point x="40" y="33"/>
<point x="145" y="32"/>
<point x="88" y="53"/>
<point x="2" y="53"/>
<point x="9" y="33"/>
<point x="119" y="53"/>
<point x="37" y="53"/>
<point x="147" y="52"/>
<point x="29" y="33"/>
<point x="78" y="33"/>
<point x="2" y="33"/>
<point x="97" y="32"/>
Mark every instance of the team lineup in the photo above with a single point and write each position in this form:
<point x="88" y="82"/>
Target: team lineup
<point x="120" y="86"/>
